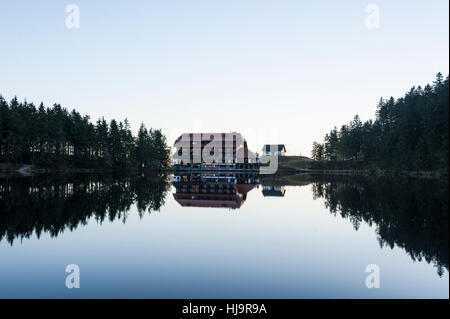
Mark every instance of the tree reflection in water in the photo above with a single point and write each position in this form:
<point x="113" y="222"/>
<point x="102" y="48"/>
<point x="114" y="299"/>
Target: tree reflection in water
<point x="43" y="204"/>
<point x="408" y="213"/>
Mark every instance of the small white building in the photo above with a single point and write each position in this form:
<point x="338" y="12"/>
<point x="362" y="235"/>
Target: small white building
<point x="274" y="149"/>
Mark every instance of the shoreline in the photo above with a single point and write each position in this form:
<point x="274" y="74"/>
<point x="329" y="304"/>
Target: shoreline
<point x="28" y="170"/>
<point x="367" y="172"/>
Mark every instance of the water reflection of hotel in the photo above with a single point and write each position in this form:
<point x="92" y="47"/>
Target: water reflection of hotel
<point x="213" y="190"/>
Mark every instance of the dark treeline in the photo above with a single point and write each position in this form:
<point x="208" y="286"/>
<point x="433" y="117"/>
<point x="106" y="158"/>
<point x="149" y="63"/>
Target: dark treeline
<point x="56" y="138"/>
<point x="410" y="133"/>
<point x="407" y="213"/>
<point x="43" y="204"/>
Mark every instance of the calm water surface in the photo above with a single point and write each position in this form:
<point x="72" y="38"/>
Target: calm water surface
<point x="223" y="237"/>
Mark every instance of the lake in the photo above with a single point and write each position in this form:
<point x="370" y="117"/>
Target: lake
<point x="224" y="236"/>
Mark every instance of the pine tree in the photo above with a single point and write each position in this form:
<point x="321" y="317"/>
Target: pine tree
<point x="54" y="138"/>
<point x="410" y="133"/>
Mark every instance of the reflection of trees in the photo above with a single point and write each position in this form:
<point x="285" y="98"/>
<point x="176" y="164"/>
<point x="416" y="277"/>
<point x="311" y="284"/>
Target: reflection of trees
<point x="411" y="214"/>
<point x="52" y="205"/>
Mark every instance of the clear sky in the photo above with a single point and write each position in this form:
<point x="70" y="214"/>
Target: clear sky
<point x="277" y="71"/>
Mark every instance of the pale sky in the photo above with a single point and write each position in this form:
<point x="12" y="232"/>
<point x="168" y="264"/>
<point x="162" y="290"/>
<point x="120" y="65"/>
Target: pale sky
<point x="276" y="71"/>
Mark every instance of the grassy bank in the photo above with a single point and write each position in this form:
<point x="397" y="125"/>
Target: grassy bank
<point x="296" y="164"/>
